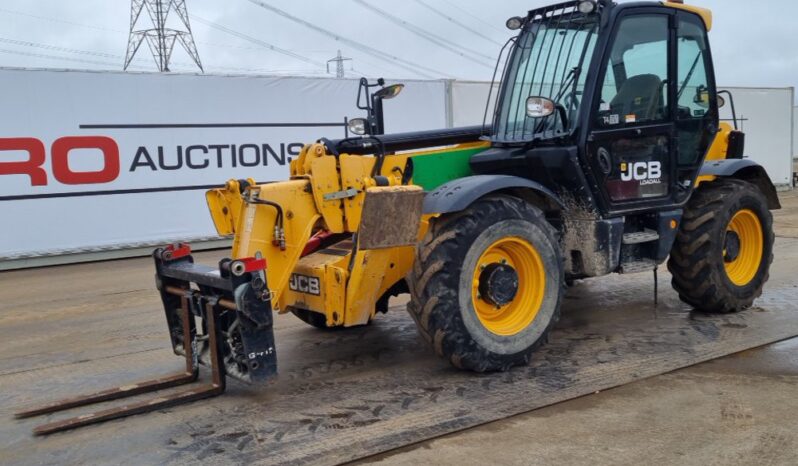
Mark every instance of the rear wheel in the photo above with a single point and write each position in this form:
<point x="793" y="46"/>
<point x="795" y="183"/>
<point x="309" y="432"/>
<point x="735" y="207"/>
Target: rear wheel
<point x="487" y="283"/>
<point x="723" y="251"/>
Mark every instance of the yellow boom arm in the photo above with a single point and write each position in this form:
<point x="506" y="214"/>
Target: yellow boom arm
<point x="337" y="196"/>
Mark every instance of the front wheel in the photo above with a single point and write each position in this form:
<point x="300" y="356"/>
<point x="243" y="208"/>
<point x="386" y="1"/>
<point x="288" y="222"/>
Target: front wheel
<point x="722" y="254"/>
<point x="487" y="283"/>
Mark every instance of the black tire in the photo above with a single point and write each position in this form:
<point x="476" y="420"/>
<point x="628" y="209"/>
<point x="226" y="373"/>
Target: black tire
<point x="441" y="283"/>
<point x="697" y="261"/>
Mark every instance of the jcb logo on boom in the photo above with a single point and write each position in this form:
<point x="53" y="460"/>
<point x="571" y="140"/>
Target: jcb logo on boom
<point x="645" y="172"/>
<point x="304" y="284"/>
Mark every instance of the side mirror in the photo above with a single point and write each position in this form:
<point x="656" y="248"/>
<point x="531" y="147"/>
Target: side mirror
<point x="539" y="107"/>
<point x="389" y="92"/>
<point x="374" y="123"/>
<point x="701" y="96"/>
<point x="721" y="102"/>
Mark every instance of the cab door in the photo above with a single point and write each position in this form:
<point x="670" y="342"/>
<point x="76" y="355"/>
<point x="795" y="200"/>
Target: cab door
<point x="632" y="145"/>
<point x="655" y="113"/>
<point x="697" y="115"/>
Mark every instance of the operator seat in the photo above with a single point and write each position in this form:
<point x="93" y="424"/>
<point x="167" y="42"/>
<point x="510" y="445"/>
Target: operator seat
<point x="641" y="96"/>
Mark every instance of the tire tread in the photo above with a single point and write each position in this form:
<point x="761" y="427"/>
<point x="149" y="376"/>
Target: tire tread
<point x="699" y="279"/>
<point x="434" y="283"/>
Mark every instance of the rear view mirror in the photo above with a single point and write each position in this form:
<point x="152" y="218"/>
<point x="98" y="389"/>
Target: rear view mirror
<point x="539" y="107"/>
<point x="721" y="102"/>
<point x="701" y="97"/>
<point x="389" y="92"/>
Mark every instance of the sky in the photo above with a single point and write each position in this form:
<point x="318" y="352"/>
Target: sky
<point x="753" y="44"/>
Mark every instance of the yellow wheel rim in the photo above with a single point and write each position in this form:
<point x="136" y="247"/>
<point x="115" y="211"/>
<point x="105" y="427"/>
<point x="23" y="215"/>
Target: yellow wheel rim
<point x="513" y="317"/>
<point x="744" y="265"/>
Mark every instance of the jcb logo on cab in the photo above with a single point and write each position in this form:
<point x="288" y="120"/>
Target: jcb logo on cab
<point x="641" y="171"/>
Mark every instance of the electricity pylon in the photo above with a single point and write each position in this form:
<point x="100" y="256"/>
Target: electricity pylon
<point x="160" y="39"/>
<point x="339" y="65"/>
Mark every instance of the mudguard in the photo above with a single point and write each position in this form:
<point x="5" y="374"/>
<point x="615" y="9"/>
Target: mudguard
<point x="747" y="170"/>
<point x="456" y="195"/>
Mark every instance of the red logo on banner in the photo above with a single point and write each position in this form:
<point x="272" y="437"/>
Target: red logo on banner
<point x="60" y="152"/>
<point x="32" y="167"/>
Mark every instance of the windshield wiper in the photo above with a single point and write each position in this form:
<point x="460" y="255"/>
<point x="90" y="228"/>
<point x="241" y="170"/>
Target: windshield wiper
<point x="689" y="76"/>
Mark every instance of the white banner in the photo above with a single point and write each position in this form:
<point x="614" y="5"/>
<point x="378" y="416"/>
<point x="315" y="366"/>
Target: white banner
<point x="103" y="160"/>
<point x="765" y="116"/>
<point x="469" y="99"/>
<point x="98" y="160"/>
<point x="795" y="133"/>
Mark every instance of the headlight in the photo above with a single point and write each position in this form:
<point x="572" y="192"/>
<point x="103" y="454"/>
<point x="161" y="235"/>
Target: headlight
<point x="587" y="6"/>
<point x="514" y="23"/>
<point x="358" y="126"/>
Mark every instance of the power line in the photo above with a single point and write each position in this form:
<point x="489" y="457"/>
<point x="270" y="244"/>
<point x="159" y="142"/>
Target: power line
<point x="119" y="57"/>
<point x="57" y="48"/>
<point x="389" y="59"/>
<point x="486" y="23"/>
<point x="99" y="28"/>
<point x="269" y="71"/>
<point x="56" y="57"/>
<point x="380" y="68"/>
<point x="254" y="40"/>
<point x="457" y="22"/>
<point x="115" y="65"/>
<point x="435" y="39"/>
<point x="405" y="64"/>
<point x="358" y="72"/>
<point x="238" y="47"/>
<point x="83" y="25"/>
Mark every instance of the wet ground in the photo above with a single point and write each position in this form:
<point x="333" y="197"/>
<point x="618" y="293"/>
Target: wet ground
<point x="351" y="394"/>
<point x="740" y="409"/>
<point x="737" y="410"/>
<point x="786" y="219"/>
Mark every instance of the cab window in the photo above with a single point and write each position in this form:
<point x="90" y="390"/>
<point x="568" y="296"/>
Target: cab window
<point x="634" y="88"/>
<point x="694" y="109"/>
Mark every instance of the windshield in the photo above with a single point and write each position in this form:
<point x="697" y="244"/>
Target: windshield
<point x="547" y="61"/>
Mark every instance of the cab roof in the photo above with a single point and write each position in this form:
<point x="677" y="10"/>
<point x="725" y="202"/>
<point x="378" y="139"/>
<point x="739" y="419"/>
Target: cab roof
<point x="704" y="13"/>
<point x="554" y="9"/>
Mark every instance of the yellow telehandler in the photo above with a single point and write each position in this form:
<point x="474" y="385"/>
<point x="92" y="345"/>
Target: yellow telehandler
<point x="604" y="153"/>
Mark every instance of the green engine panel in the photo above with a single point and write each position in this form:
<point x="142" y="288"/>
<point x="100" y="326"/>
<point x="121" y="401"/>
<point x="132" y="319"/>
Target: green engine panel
<point x="433" y="170"/>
